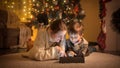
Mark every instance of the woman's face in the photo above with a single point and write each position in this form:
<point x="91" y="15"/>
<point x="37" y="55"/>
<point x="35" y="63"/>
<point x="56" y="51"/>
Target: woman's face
<point x="59" y="36"/>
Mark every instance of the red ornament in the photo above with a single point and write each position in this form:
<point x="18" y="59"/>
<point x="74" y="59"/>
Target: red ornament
<point x="56" y="7"/>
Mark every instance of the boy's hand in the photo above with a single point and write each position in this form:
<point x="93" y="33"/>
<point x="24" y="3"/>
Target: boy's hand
<point x="71" y="54"/>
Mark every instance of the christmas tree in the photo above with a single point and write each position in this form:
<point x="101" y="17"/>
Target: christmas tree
<point x="47" y="11"/>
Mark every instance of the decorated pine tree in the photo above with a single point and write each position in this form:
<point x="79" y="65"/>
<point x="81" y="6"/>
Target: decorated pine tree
<point x="47" y="11"/>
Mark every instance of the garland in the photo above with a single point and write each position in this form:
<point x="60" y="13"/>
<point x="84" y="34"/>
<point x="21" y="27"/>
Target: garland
<point x="102" y="35"/>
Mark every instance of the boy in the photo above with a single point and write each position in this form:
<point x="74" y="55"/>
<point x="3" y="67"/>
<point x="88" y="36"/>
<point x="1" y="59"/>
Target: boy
<point x="76" y="45"/>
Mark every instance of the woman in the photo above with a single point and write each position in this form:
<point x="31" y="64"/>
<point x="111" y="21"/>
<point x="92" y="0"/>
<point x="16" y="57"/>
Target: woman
<point x="43" y="48"/>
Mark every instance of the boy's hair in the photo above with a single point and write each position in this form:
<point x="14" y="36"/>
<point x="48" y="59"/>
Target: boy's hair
<point x="57" y="25"/>
<point x="71" y="26"/>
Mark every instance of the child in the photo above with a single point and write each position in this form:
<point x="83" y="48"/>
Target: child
<point x="76" y="45"/>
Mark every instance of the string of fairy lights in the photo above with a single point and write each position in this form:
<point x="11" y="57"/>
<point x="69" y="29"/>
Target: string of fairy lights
<point x="27" y="9"/>
<point x="21" y="7"/>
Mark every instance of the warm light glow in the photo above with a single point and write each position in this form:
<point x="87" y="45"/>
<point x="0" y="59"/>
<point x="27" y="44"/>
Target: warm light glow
<point x="30" y="4"/>
<point x="24" y="6"/>
<point x="31" y="16"/>
<point x="35" y="10"/>
<point x="69" y="8"/>
<point x="33" y="0"/>
<point x="24" y="10"/>
<point x="51" y="6"/>
<point x="64" y="1"/>
<point x="38" y="5"/>
<point x="5" y="2"/>
<point x="8" y="6"/>
<point x="24" y="2"/>
<point x="25" y="14"/>
<point x="29" y="8"/>
<point x="30" y="1"/>
<point x="23" y="18"/>
<point x="52" y="9"/>
<point x="13" y="3"/>
<point x="12" y="7"/>
<point x="29" y="12"/>
<point x="82" y="12"/>
<point x="33" y="4"/>
<point x="46" y="5"/>
<point x="35" y="31"/>
<point x="49" y="20"/>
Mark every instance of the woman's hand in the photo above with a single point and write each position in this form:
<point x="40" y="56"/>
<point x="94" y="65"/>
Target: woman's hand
<point x="61" y="51"/>
<point x="58" y="48"/>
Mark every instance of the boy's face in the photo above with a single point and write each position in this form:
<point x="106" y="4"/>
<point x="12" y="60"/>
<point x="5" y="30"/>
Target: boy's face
<point x="77" y="27"/>
<point x="74" y="38"/>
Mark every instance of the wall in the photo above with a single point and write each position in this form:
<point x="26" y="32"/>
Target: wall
<point x="113" y="38"/>
<point x="91" y="21"/>
<point x="92" y="25"/>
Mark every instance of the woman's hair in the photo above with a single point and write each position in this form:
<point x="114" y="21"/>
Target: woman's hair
<point x="71" y="28"/>
<point x="57" y="25"/>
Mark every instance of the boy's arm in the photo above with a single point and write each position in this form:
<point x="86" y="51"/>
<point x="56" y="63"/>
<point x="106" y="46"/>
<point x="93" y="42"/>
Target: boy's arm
<point x="85" y="43"/>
